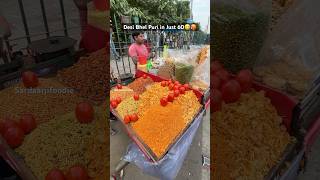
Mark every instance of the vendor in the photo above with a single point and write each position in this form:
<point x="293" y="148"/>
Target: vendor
<point x="138" y="49"/>
<point x="93" y="38"/>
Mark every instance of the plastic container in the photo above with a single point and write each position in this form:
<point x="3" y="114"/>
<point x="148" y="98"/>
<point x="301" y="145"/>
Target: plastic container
<point x="101" y="5"/>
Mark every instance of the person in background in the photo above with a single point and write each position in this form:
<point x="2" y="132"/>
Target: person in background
<point x="138" y="49"/>
<point x="5" y="33"/>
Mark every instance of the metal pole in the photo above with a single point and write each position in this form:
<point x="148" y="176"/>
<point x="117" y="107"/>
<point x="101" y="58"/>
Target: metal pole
<point x="125" y="37"/>
<point x="24" y="21"/>
<point x="44" y="17"/>
<point x="63" y="18"/>
<point x="118" y="36"/>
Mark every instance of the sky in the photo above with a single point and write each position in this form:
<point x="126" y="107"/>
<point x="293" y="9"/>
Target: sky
<point x="201" y="12"/>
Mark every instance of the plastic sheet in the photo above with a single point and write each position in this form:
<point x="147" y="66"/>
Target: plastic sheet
<point x="290" y="59"/>
<point x="202" y="71"/>
<point x="168" y="167"/>
<point x="240" y="28"/>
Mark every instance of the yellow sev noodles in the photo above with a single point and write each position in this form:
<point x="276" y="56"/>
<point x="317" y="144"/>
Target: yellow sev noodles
<point x="63" y="142"/>
<point x="248" y="138"/>
<point x="158" y="126"/>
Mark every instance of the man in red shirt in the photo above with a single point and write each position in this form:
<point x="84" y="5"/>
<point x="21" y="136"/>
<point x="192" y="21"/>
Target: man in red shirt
<point x="138" y="49"/>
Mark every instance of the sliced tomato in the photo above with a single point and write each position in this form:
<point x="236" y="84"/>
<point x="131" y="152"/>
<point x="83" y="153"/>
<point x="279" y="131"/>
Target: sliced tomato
<point x="77" y="173"/>
<point x="182" y="90"/>
<point x="118" y="100"/>
<point x="30" y="79"/>
<point x="55" y="174"/>
<point x="14" y="136"/>
<point x="114" y="104"/>
<point x="186" y="86"/>
<point x="223" y="75"/>
<point x="231" y="91"/>
<point x="171" y="86"/>
<point x="176" y="87"/>
<point x="176" y="93"/>
<point x="136" y="97"/>
<point x="134" y="117"/>
<point x="170" y="97"/>
<point x="127" y="119"/>
<point x="7" y="123"/>
<point x="84" y="112"/>
<point x="119" y="86"/>
<point x="245" y="79"/>
<point x="163" y="101"/>
<point x="27" y="123"/>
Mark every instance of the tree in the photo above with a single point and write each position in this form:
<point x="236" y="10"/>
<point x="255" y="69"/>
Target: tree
<point x="153" y="11"/>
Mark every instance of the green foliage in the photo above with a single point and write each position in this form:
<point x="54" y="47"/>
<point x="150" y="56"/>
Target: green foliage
<point x="152" y="11"/>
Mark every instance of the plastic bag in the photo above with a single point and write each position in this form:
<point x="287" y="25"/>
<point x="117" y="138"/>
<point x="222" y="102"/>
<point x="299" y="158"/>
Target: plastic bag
<point x="290" y="59"/>
<point x="183" y="72"/>
<point x="240" y="27"/>
<point x="168" y="167"/>
<point x="201" y="75"/>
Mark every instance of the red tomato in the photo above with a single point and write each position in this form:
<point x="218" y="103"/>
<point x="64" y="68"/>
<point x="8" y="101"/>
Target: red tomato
<point x="118" y="100"/>
<point x="119" y="86"/>
<point x="186" y="86"/>
<point x="55" y="174"/>
<point x="231" y="91"/>
<point x="176" y="93"/>
<point x="144" y="76"/>
<point x="176" y="87"/>
<point x="223" y="75"/>
<point x="163" y="101"/>
<point x="136" y="97"/>
<point x="7" y="123"/>
<point x="14" y="136"/>
<point x="84" y="112"/>
<point x="216" y="100"/>
<point x="245" y="79"/>
<point x="77" y="173"/>
<point x="216" y="66"/>
<point x="127" y="119"/>
<point x="171" y="97"/>
<point x="134" y="117"/>
<point x="171" y="86"/>
<point x="27" y="123"/>
<point x="163" y="84"/>
<point x="114" y="104"/>
<point x="182" y="90"/>
<point x="30" y="79"/>
<point x="176" y="83"/>
<point x="216" y="82"/>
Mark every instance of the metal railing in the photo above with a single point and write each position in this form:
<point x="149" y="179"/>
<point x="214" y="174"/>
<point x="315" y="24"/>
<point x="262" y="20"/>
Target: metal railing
<point x="28" y="36"/>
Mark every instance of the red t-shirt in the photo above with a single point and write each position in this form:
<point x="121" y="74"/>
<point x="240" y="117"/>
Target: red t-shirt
<point x="137" y="50"/>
